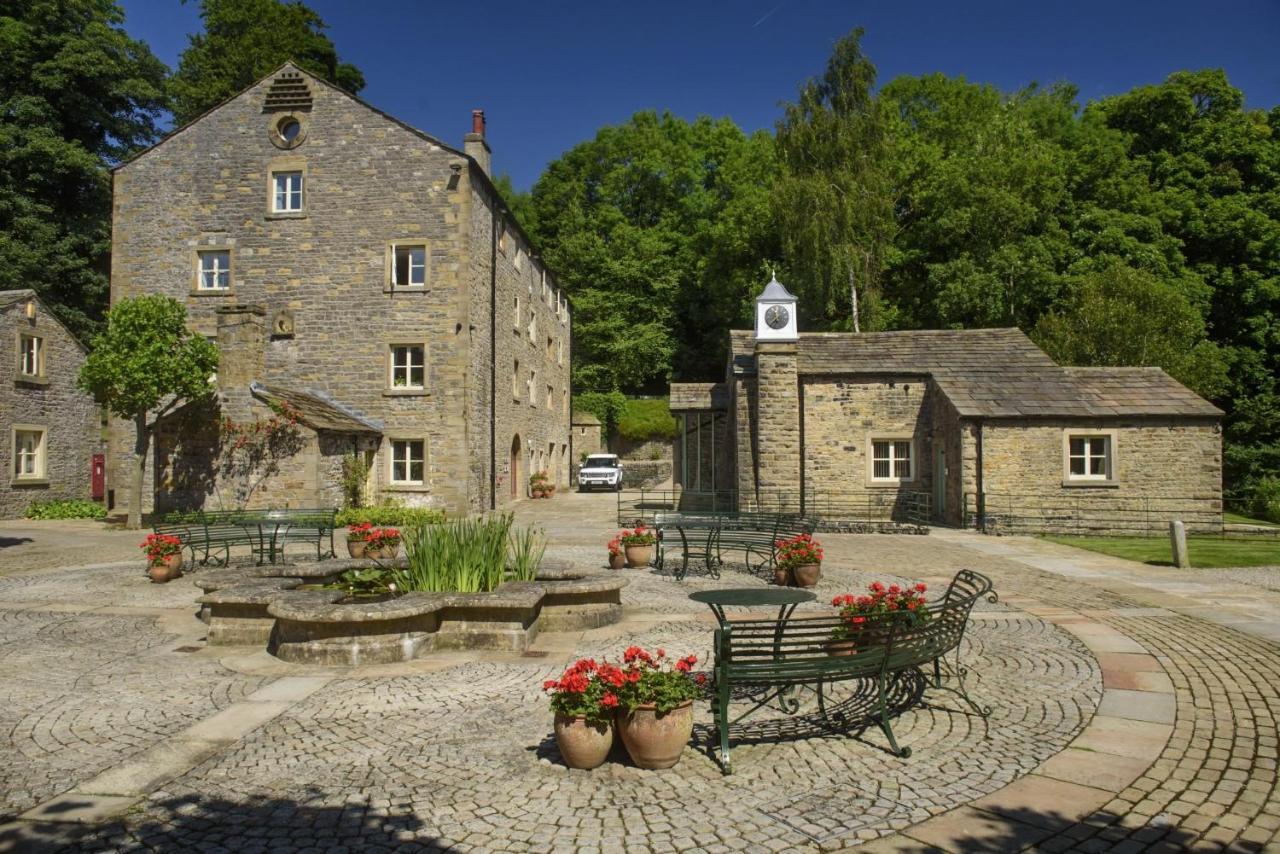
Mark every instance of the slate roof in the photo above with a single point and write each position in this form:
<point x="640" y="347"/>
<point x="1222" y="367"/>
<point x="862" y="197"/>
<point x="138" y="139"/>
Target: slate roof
<point x="1093" y="392"/>
<point x="318" y="411"/>
<point x="687" y="396"/>
<point x="583" y="418"/>
<point x="10" y="297"/>
<point x="989" y="373"/>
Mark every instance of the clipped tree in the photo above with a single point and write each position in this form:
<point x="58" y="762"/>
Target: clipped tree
<point x="142" y="367"/>
<point x="245" y="40"/>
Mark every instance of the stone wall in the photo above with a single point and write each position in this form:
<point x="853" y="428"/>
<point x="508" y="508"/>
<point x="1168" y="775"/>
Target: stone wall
<point x="777" y="422"/>
<point x="587" y="440"/>
<point x="52" y="402"/>
<point x="370" y="182"/>
<point x="647" y="449"/>
<point x="841" y="418"/>
<point x="1164" y="469"/>
<point x="532" y="428"/>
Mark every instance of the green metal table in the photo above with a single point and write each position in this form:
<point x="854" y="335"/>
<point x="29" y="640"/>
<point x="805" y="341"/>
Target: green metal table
<point x="785" y="598"/>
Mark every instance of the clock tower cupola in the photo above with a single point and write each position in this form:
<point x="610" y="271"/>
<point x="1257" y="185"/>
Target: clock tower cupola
<point x="776" y="314"/>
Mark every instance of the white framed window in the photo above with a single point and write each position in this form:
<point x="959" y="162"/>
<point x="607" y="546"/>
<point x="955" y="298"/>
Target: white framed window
<point x="1089" y="457"/>
<point x="214" y="273"/>
<point x="408" y="461"/>
<point x="408" y="265"/>
<point x="30" y="355"/>
<point x="892" y="460"/>
<point x="287" y="194"/>
<point x="408" y="367"/>
<point x="28" y="452"/>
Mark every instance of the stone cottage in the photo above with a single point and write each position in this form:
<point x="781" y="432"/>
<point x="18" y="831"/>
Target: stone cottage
<point x="51" y="428"/>
<point x="364" y="274"/>
<point x="950" y="426"/>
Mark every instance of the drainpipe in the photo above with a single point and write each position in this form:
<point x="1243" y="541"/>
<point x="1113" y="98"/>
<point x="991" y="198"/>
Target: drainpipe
<point x="493" y="355"/>
<point x="982" y="490"/>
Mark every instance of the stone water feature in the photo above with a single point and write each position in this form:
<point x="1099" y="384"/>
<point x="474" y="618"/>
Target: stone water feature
<point x="310" y="626"/>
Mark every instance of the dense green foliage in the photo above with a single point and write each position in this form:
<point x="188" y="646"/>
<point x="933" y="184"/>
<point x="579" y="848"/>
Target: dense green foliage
<point x="76" y="96"/>
<point x="72" y="508"/>
<point x="604" y="405"/>
<point x="245" y="40"/>
<point x="384" y="515"/>
<point x="144" y="365"/>
<point x="647" y="418"/>
<point x="659" y="229"/>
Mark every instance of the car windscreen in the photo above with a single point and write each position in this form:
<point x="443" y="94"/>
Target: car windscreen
<point x="601" y="463"/>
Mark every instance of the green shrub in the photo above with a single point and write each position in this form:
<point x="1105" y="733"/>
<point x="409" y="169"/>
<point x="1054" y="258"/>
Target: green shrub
<point x="389" y="515"/>
<point x="605" y="405"/>
<point x="75" y="508"/>
<point x="469" y="555"/>
<point x="643" y="420"/>
<point x="1264" y="503"/>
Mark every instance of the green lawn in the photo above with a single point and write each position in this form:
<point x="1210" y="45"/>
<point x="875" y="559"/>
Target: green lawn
<point x="1205" y="552"/>
<point x="1237" y="519"/>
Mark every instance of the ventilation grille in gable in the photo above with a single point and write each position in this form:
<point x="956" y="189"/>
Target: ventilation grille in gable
<point x="289" y="91"/>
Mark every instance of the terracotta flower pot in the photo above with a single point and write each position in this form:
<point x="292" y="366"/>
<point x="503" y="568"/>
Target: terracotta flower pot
<point x="617" y="561"/>
<point x="638" y="555"/>
<point x="167" y="569"/>
<point x="355" y="548"/>
<point x="655" y="740"/>
<point x="841" y="648"/>
<point x="388" y="552"/>
<point x="583" y="743"/>
<point x="781" y="576"/>
<point x="807" y="574"/>
<point x="536" y="492"/>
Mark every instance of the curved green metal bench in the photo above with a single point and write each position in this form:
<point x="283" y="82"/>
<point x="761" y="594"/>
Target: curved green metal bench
<point x="707" y="536"/>
<point x="265" y="532"/>
<point x="782" y="657"/>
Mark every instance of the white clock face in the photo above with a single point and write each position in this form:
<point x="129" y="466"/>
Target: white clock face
<point x="776" y="316"/>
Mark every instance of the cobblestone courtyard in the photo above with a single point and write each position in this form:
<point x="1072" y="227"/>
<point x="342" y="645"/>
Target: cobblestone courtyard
<point x="1134" y="710"/>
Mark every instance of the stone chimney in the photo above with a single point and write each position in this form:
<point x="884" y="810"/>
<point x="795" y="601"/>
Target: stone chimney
<point x="241" y="355"/>
<point x="474" y="143"/>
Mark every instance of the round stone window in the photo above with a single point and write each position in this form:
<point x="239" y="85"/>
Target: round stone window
<point x="288" y="132"/>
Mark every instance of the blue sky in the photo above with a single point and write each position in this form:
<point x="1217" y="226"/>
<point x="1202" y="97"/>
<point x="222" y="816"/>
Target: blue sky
<point x="548" y="73"/>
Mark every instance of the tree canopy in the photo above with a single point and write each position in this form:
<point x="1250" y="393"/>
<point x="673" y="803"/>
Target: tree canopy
<point x="660" y="230"/>
<point x="245" y="40"/>
<point x="76" y="95"/>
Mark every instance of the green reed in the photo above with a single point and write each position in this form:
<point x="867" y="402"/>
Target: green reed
<point x="469" y="555"/>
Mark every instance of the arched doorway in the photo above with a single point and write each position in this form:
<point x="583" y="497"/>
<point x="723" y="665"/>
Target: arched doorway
<point x="516" y="478"/>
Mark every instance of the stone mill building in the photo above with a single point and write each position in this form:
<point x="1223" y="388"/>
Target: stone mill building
<point x="952" y="427"/>
<point x="360" y="273"/>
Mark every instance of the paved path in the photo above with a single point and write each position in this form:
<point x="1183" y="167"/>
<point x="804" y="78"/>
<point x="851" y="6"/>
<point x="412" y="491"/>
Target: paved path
<point x="1125" y="720"/>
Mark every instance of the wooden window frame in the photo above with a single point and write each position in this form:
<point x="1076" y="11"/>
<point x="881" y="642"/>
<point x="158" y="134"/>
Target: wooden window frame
<point x="197" y="285"/>
<point x="41" y="476"/>
<point x="1110" y="478"/>
<point x="408" y="485"/>
<point x="390" y="284"/>
<point x="893" y="480"/>
<point x="393" y="390"/>
<point x="20" y="343"/>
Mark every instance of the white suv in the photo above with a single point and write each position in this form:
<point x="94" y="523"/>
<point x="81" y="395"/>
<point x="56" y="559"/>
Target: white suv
<point x="601" y="471"/>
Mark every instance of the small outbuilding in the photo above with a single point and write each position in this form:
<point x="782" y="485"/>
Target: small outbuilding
<point x="959" y="427"/>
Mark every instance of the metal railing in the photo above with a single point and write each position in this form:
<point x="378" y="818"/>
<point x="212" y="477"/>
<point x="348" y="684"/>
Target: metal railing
<point x="1102" y="515"/>
<point x="889" y="510"/>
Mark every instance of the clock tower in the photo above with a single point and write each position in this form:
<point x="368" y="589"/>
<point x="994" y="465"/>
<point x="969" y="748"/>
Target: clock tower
<point x="777" y="469"/>
<point x="776" y="314"/>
